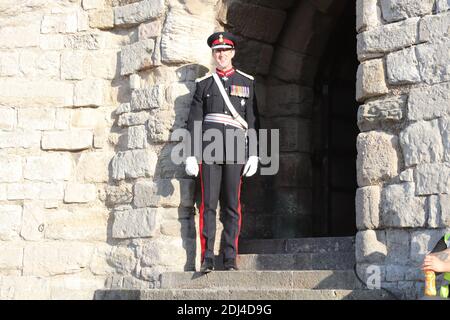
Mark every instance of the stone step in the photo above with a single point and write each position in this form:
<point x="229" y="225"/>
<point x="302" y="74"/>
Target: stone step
<point x="242" y="294"/>
<point x="300" y="245"/>
<point x="262" y="280"/>
<point x="299" y="261"/>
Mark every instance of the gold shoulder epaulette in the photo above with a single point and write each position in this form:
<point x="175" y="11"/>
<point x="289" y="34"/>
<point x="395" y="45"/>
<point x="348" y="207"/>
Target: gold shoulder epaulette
<point x="245" y="75"/>
<point x="203" y="78"/>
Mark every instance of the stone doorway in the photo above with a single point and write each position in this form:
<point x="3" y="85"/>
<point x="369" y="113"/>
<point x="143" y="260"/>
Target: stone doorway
<point x="306" y="72"/>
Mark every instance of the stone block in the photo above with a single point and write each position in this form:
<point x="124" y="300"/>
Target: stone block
<point x="159" y="126"/>
<point x="168" y="168"/>
<point x="429" y="102"/>
<point x="402" y="67"/>
<point x="444" y="210"/>
<point x="33" y="222"/>
<point x="149" y="30"/>
<point x="102" y="19"/>
<point x="89" y="92"/>
<point x="136" y="13"/>
<point x="370" y="80"/>
<point x="255" y="56"/>
<point x="8" y="118"/>
<point x="73" y="65"/>
<point x="433" y="61"/>
<point x="35" y="191"/>
<point x="11" y="257"/>
<point x="434" y="27"/>
<point x="387" y="38"/>
<point x="378" y="157"/>
<point x="80" y="193"/>
<point x="421" y="142"/>
<point x="398" y="247"/>
<point x="10" y="168"/>
<point x="292" y="66"/>
<point x="94" y="166"/>
<point x="40" y="64"/>
<point x="434" y="211"/>
<point x="93" y="4"/>
<point x="444" y="125"/>
<point x="135" y="223"/>
<point x="104" y="64"/>
<point x="19" y="36"/>
<point x="367" y="207"/>
<point x="73" y="140"/>
<point x="51" y="42"/>
<point x="20" y="139"/>
<point x="442" y="5"/>
<point x="368" y="15"/>
<point x="148" y="98"/>
<point x="164" y="252"/>
<point x="25" y="288"/>
<point x="123" y="259"/>
<point x="9" y="64"/>
<point x="179" y="29"/>
<point x="137" y="56"/>
<point x="295" y="134"/>
<point x="400" y="208"/>
<point x="48" y="167"/>
<point x="295" y="170"/>
<point x="36" y="118"/>
<point x="59" y="23"/>
<point x="164" y="193"/>
<point x="179" y="95"/>
<point x="394" y="10"/>
<point x="133" y="118"/>
<point x="137" y="137"/>
<point x="85" y="41"/>
<point x="371" y="247"/>
<point x="376" y="114"/>
<point x="48" y="259"/>
<point x="422" y="242"/>
<point x="289" y="100"/>
<point x="433" y="178"/>
<point x="81" y="224"/>
<point x="10" y="222"/>
<point x="134" y="164"/>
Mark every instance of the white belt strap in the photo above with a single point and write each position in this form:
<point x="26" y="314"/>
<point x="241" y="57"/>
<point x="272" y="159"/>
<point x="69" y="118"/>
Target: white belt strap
<point x="222" y="118"/>
<point x="233" y="111"/>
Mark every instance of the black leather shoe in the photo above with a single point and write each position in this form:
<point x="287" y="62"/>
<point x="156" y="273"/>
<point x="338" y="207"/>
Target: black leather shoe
<point x="230" y="265"/>
<point x="207" y="265"/>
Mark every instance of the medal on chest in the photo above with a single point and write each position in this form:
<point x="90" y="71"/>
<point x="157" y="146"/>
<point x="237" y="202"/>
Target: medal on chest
<point x="240" y="91"/>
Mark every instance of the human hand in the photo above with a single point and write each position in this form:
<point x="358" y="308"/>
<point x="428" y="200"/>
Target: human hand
<point x="191" y="166"/>
<point x="251" y="166"/>
<point x="434" y="263"/>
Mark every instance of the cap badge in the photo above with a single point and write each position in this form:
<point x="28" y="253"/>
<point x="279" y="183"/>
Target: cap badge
<point x="221" y="38"/>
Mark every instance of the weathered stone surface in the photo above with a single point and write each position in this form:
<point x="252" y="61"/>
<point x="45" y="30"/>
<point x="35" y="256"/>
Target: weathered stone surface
<point x="85" y="41"/>
<point x="137" y="56"/>
<point x="444" y="124"/>
<point x="135" y="223"/>
<point x="33" y="222"/>
<point x="93" y="4"/>
<point x="21" y="287"/>
<point x="9" y="64"/>
<point x="47" y="259"/>
<point x="48" y="167"/>
<point x="370" y="79"/>
<point x="433" y="61"/>
<point x="422" y="242"/>
<point x="434" y="27"/>
<point x="295" y="170"/>
<point x="295" y="134"/>
<point x="89" y="92"/>
<point x="429" y="102"/>
<point x="122" y="194"/>
<point x="35" y="93"/>
<point x="136" y="13"/>
<point x="432" y="178"/>
<point x="36" y="118"/>
<point x="288" y="100"/>
<point x="137" y="137"/>
<point x="378" y="157"/>
<point x="59" y="23"/>
<point x="421" y="143"/>
<point x="403" y="67"/>
<point x="434" y="211"/>
<point x="40" y="64"/>
<point x="102" y="19"/>
<point x="444" y="208"/>
<point x="376" y="114"/>
<point x="159" y="126"/>
<point x="10" y="222"/>
<point x="164" y="193"/>
<point x="164" y="251"/>
<point x="94" y="166"/>
<point x="387" y="38"/>
<point x="134" y="164"/>
<point x="133" y="118"/>
<point x="394" y="10"/>
<point x="84" y="225"/>
<point x="19" y="36"/>
<point x="291" y="66"/>
<point x="73" y="65"/>
<point x="35" y="191"/>
<point x="180" y="29"/>
<point x="407" y="175"/>
<point x="123" y="108"/>
<point x="368" y="15"/>
<point x="442" y="5"/>
<point x="51" y="41"/>
<point x="8" y="118"/>
<point x="148" y="98"/>
<point x="80" y="193"/>
<point x="367" y="207"/>
<point x="123" y="259"/>
<point x="67" y="140"/>
<point x="400" y="208"/>
<point x="398" y="246"/>
<point x="104" y="64"/>
<point x="135" y="82"/>
<point x="371" y="247"/>
<point x="11" y="257"/>
<point x="149" y="30"/>
<point x="10" y="168"/>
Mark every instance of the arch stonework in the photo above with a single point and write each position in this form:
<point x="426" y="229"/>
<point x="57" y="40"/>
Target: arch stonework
<point x="91" y="90"/>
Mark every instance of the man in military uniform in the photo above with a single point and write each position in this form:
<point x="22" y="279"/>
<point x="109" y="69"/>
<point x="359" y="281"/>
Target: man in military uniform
<point x="221" y="177"/>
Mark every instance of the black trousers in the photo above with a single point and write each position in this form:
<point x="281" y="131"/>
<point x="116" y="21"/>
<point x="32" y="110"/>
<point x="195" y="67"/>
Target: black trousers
<point x="220" y="181"/>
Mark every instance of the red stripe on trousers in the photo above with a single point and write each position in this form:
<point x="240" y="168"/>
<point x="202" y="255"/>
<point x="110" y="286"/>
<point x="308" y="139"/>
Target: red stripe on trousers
<point x="240" y="216"/>
<point x="202" y="208"/>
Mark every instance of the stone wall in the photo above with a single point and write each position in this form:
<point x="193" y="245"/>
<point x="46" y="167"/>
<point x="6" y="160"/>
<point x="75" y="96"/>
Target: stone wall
<point x="403" y="150"/>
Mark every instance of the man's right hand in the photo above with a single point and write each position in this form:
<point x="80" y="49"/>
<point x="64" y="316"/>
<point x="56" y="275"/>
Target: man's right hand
<point x="191" y="166"/>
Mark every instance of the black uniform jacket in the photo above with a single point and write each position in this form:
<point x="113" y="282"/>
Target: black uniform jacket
<point x="240" y="88"/>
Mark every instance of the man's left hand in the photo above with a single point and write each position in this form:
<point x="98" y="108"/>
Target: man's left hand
<point x="251" y="166"/>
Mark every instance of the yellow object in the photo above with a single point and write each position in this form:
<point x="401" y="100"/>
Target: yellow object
<point x="430" y="284"/>
<point x="444" y="292"/>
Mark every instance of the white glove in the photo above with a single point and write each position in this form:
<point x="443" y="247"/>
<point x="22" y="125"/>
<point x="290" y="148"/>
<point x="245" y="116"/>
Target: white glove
<point x="191" y="166"/>
<point x="251" y="166"/>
